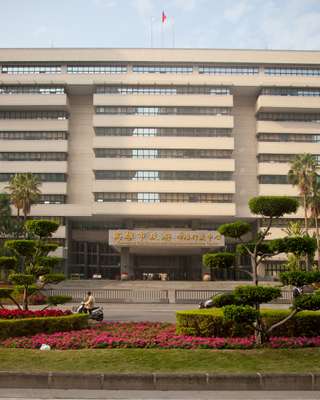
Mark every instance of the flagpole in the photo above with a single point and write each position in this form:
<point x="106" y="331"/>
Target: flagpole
<point x="161" y="34"/>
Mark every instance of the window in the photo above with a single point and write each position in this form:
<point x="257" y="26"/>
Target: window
<point x="299" y="117"/>
<point x="97" y="69"/>
<point x="298" y="70"/>
<point x="52" y="199"/>
<point x="163" y="175"/>
<point x="288" y="137"/>
<point x="162" y="90"/>
<point x="151" y="197"/>
<point x="228" y="70"/>
<point x="183" y="132"/>
<point x="161" y="153"/>
<point x="285" y="158"/>
<point x="31" y="90"/>
<point x="61" y="115"/>
<point x="163" y="110"/>
<point x="33" y="135"/>
<point x="43" y="177"/>
<point x="284" y="91"/>
<point x="33" y="156"/>
<point x="163" y="69"/>
<point x="31" y="69"/>
<point x="273" y="179"/>
<point x="283" y="222"/>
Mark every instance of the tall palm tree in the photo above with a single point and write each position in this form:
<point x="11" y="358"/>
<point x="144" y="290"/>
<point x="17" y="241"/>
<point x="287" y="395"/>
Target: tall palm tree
<point x="302" y="174"/>
<point x="24" y="191"/>
<point x="314" y="206"/>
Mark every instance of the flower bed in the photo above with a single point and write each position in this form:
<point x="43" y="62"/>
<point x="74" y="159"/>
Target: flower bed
<point x="144" y="335"/>
<point x="18" y="314"/>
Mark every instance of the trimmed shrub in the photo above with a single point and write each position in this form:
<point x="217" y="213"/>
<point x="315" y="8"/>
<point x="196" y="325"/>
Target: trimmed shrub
<point x="225" y="299"/>
<point x="251" y="295"/>
<point x="31" y="326"/>
<point x="240" y="314"/>
<point x="211" y="323"/>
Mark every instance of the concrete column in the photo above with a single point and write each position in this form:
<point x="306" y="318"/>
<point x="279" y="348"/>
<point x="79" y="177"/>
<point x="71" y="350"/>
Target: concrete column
<point x="125" y="262"/>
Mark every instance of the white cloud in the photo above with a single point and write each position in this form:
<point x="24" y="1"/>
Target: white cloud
<point x="233" y="12"/>
<point x="186" y="5"/>
<point x="104" y="3"/>
<point x="144" y="8"/>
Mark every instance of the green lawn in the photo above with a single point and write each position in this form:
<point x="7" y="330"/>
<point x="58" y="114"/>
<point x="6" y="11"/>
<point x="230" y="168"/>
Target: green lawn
<point x="141" y="360"/>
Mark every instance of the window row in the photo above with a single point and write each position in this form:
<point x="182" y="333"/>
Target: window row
<point x="163" y="110"/>
<point x="164" y="175"/>
<point x="43" y="177"/>
<point x="302" y="71"/>
<point x="163" y="69"/>
<point x="281" y="158"/>
<point x="161" y="153"/>
<point x="33" y="135"/>
<point x="33" y="156"/>
<point x="273" y="179"/>
<point x="187" y="132"/>
<point x="283" y="222"/>
<point x="288" y="137"/>
<point x="61" y="115"/>
<point x="31" y="90"/>
<point x="31" y="69"/>
<point x="52" y="199"/>
<point x="288" y="117"/>
<point x="290" y="91"/>
<point x="228" y="70"/>
<point x="166" y="90"/>
<point x="97" y="69"/>
<point x="150" y="197"/>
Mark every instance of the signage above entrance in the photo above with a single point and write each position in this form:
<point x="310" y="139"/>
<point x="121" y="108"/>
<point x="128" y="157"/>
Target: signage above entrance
<point x="166" y="238"/>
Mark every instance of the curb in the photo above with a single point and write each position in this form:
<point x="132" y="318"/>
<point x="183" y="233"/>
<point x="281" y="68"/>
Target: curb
<point x="159" y="381"/>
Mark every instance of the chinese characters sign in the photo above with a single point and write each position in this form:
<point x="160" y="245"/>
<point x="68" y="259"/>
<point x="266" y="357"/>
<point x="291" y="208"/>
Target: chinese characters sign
<point x="171" y="238"/>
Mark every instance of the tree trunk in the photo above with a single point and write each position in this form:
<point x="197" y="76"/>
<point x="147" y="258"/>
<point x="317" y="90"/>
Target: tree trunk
<point x="305" y="213"/>
<point x="25" y="299"/>
<point x="317" y="237"/>
<point x="254" y="270"/>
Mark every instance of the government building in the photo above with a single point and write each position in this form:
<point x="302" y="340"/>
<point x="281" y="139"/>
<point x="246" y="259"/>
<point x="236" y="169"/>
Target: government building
<point x="143" y="153"/>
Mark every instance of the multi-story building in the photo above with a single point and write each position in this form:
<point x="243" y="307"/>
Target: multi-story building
<point x="142" y="153"/>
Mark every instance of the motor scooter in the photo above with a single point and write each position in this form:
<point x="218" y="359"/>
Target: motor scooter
<point x="96" y="313"/>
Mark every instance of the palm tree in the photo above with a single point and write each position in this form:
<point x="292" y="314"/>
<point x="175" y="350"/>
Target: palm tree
<point x="314" y="206"/>
<point x="302" y="174"/>
<point x="24" y="191"/>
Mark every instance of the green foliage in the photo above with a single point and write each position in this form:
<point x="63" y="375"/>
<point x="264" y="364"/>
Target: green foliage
<point x="299" y="278"/>
<point x="250" y="295"/>
<point x="19" y="289"/>
<point x="211" y="323"/>
<point x="46" y="248"/>
<point x="240" y="314"/>
<point x="50" y="262"/>
<point x="56" y="300"/>
<point x="31" y="326"/>
<point x="25" y="248"/>
<point x="37" y="270"/>
<point x="273" y="206"/>
<point x="225" y="299"/>
<point x="218" y="260"/>
<point x="307" y="302"/>
<point x="6" y="292"/>
<point x="234" y="229"/>
<point x="261" y="249"/>
<point x="42" y="227"/>
<point x="22" y="279"/>
<point x="53" y="278"/>
<point x="298" y="245"/>
<point x="8" y="262"/>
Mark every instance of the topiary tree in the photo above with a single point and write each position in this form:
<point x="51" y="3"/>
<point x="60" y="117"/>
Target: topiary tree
<point x="33" y="265"/>
<point x="243" y="304"/>
<point x="270" y="208"/>
<point x="218" y="260"/>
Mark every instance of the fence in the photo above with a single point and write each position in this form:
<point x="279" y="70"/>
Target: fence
<point x="194" y="296"/>
<point x="114" y="295"/>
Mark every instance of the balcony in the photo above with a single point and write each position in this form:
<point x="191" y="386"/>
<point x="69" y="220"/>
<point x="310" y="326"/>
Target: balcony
<point x="288" y="148"/>
<point x="34" y="101"/>
<point x="288" y="104"/>
<point x="277" y="190"/>
<point x="34" y="125"/>
<point x="34" y="145"/>
<point x="34" y="166"/>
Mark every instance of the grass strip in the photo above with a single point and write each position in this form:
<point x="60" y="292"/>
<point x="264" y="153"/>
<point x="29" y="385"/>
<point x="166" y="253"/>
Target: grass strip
<point x="151" y="360"/>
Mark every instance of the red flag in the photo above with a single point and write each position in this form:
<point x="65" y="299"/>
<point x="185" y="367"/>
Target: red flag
<point x="163" y="17"/>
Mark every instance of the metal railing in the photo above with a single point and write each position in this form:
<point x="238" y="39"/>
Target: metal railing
<point x="114" y="295"/>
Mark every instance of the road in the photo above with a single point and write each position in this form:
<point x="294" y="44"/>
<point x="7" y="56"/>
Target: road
<point x="28" y="394"/>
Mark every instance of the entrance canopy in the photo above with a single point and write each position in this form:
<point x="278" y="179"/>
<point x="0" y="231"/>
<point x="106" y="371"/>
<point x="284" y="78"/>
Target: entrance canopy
<point x="165" y="238"/>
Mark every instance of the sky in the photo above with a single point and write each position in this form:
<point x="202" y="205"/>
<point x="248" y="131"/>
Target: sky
<point x="237" y="24"/>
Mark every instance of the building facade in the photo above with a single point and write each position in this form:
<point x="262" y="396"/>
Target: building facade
<point x="142" y="153"/>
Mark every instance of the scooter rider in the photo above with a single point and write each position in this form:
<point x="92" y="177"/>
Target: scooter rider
<point x="89" y="302"/>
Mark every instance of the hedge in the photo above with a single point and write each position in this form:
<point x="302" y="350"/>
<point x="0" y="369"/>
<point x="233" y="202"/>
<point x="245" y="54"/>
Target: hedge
<point x="210" y="323"/>
<point x="31" y="326"/>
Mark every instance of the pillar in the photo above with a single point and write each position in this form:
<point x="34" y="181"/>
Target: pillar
<point x="125" y="262"/>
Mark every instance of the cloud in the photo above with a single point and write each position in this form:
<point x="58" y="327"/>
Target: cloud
<point x="186" y="5"/>
<point x="104" y="3"/>
<point x="144" y="8"/>
<point x="234" y="12"/>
